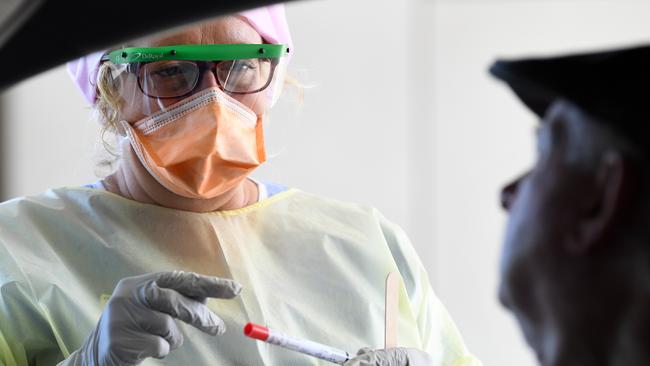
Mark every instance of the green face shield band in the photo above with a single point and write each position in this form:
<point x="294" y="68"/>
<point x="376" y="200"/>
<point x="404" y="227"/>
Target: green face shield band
<point x="209" y="52"/>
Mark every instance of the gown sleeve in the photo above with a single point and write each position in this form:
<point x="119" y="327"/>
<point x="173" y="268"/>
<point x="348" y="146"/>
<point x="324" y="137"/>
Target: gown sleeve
<point x="439" y="335"/>
<point x="26" y="338"/>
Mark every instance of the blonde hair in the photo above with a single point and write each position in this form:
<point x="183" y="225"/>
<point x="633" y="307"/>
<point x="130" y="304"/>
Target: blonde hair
<point x="299" y="87"/>
<point x="108" y="104"/>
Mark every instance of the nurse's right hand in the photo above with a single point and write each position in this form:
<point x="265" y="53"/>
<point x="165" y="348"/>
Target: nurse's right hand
<point x="139" y="319"/>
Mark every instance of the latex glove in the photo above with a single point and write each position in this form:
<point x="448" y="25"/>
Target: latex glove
<point x="138" y="321"/>
<point x="390" y="357"/>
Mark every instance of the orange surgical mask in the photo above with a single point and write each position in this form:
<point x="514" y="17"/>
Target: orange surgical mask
<point x="200" y="147"/>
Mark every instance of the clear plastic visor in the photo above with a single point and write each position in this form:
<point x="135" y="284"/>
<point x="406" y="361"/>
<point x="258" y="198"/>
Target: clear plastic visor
<point x="141" y="89"/>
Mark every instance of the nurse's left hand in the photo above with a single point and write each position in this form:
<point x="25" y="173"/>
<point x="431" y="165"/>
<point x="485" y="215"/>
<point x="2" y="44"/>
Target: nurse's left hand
<point x="391" y="357"/>
<point x="139" y="320"/>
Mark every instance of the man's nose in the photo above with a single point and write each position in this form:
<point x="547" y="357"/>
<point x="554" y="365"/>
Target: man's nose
<point x="509" y="193"/>
<point x="503" y="296"/>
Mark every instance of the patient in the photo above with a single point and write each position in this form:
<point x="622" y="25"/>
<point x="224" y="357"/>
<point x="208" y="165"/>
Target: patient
<point x="575" y="265"/>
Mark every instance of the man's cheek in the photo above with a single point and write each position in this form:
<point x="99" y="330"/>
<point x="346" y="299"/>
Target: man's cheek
<point x="531" y="332"/>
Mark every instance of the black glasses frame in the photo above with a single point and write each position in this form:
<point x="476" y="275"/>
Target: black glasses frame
<point x="203" y="66"/>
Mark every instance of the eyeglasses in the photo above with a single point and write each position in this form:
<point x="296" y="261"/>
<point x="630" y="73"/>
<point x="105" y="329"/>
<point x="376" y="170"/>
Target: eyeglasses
<point x="179" y="78"/>
<point x="176" y="71"/>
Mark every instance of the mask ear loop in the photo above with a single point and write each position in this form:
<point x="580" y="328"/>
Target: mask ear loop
<point x="121" y="129"/>
<point x="259" y="140"/>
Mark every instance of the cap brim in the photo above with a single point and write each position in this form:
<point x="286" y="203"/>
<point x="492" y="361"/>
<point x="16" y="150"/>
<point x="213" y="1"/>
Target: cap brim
<point x="536" y="96"/>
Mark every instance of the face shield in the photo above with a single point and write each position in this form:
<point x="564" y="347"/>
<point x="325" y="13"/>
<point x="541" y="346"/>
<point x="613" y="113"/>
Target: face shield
<point x="151" y="80"/>
<point x="192" y="113"/>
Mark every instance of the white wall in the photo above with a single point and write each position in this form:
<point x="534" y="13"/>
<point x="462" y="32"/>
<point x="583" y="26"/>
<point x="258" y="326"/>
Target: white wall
<point x="48" y="134"/>
<point x="402" y="116"/>
<point x="483" y="136"/>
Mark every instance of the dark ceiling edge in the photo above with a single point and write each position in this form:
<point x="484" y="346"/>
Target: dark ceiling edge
<point x="3" y="149"/>
<point x="63" y="30"/>
<point x="17" y="17"/>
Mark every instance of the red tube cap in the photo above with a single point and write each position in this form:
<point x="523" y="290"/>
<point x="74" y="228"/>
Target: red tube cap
<point x="256" y="331"/>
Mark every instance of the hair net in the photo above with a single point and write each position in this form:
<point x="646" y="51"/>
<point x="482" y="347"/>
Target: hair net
<point x="269" y="21"/>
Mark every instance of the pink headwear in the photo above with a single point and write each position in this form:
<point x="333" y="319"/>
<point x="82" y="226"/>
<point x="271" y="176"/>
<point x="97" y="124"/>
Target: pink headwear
<point x="269" y="21"/>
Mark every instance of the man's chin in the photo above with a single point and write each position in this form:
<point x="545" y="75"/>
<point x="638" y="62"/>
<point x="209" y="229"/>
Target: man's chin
<point x="533" y="341"/>
<point x="540" y="357"/>
<point x="539" y="352"/>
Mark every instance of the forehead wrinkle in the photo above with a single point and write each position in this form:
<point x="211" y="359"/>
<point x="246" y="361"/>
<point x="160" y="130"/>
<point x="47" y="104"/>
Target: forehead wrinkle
<point x="225" y="30"/>
<point x="186" y="36"/>
<point x="229" y="30"/>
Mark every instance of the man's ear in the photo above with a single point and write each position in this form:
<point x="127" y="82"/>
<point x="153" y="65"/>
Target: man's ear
<point x="599" y="214"/>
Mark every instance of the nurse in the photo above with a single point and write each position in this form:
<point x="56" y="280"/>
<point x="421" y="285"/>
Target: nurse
<point x="178" y="234"/>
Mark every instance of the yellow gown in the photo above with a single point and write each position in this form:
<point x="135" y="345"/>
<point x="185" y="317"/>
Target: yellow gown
<point x="311" y="267"/>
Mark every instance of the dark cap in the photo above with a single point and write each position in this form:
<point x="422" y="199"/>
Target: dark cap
<point x="613" y="86"/>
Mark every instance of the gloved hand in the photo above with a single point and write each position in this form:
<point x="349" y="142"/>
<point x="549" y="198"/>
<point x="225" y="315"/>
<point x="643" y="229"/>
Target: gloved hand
<point x="138" y="321"/>
<point x="390" y="357"/>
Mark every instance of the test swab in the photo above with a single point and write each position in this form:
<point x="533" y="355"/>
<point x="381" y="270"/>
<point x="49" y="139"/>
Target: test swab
<point x="299" y="345"/>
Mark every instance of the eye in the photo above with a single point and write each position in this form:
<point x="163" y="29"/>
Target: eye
<point x="169" y="71"/>
<point x="243" y="66"/>
<point x="168" y="79"/>
<point x="243" y="76"/>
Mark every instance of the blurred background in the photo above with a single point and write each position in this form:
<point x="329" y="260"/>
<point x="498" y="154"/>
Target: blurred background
<point x="398" y="113"/>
